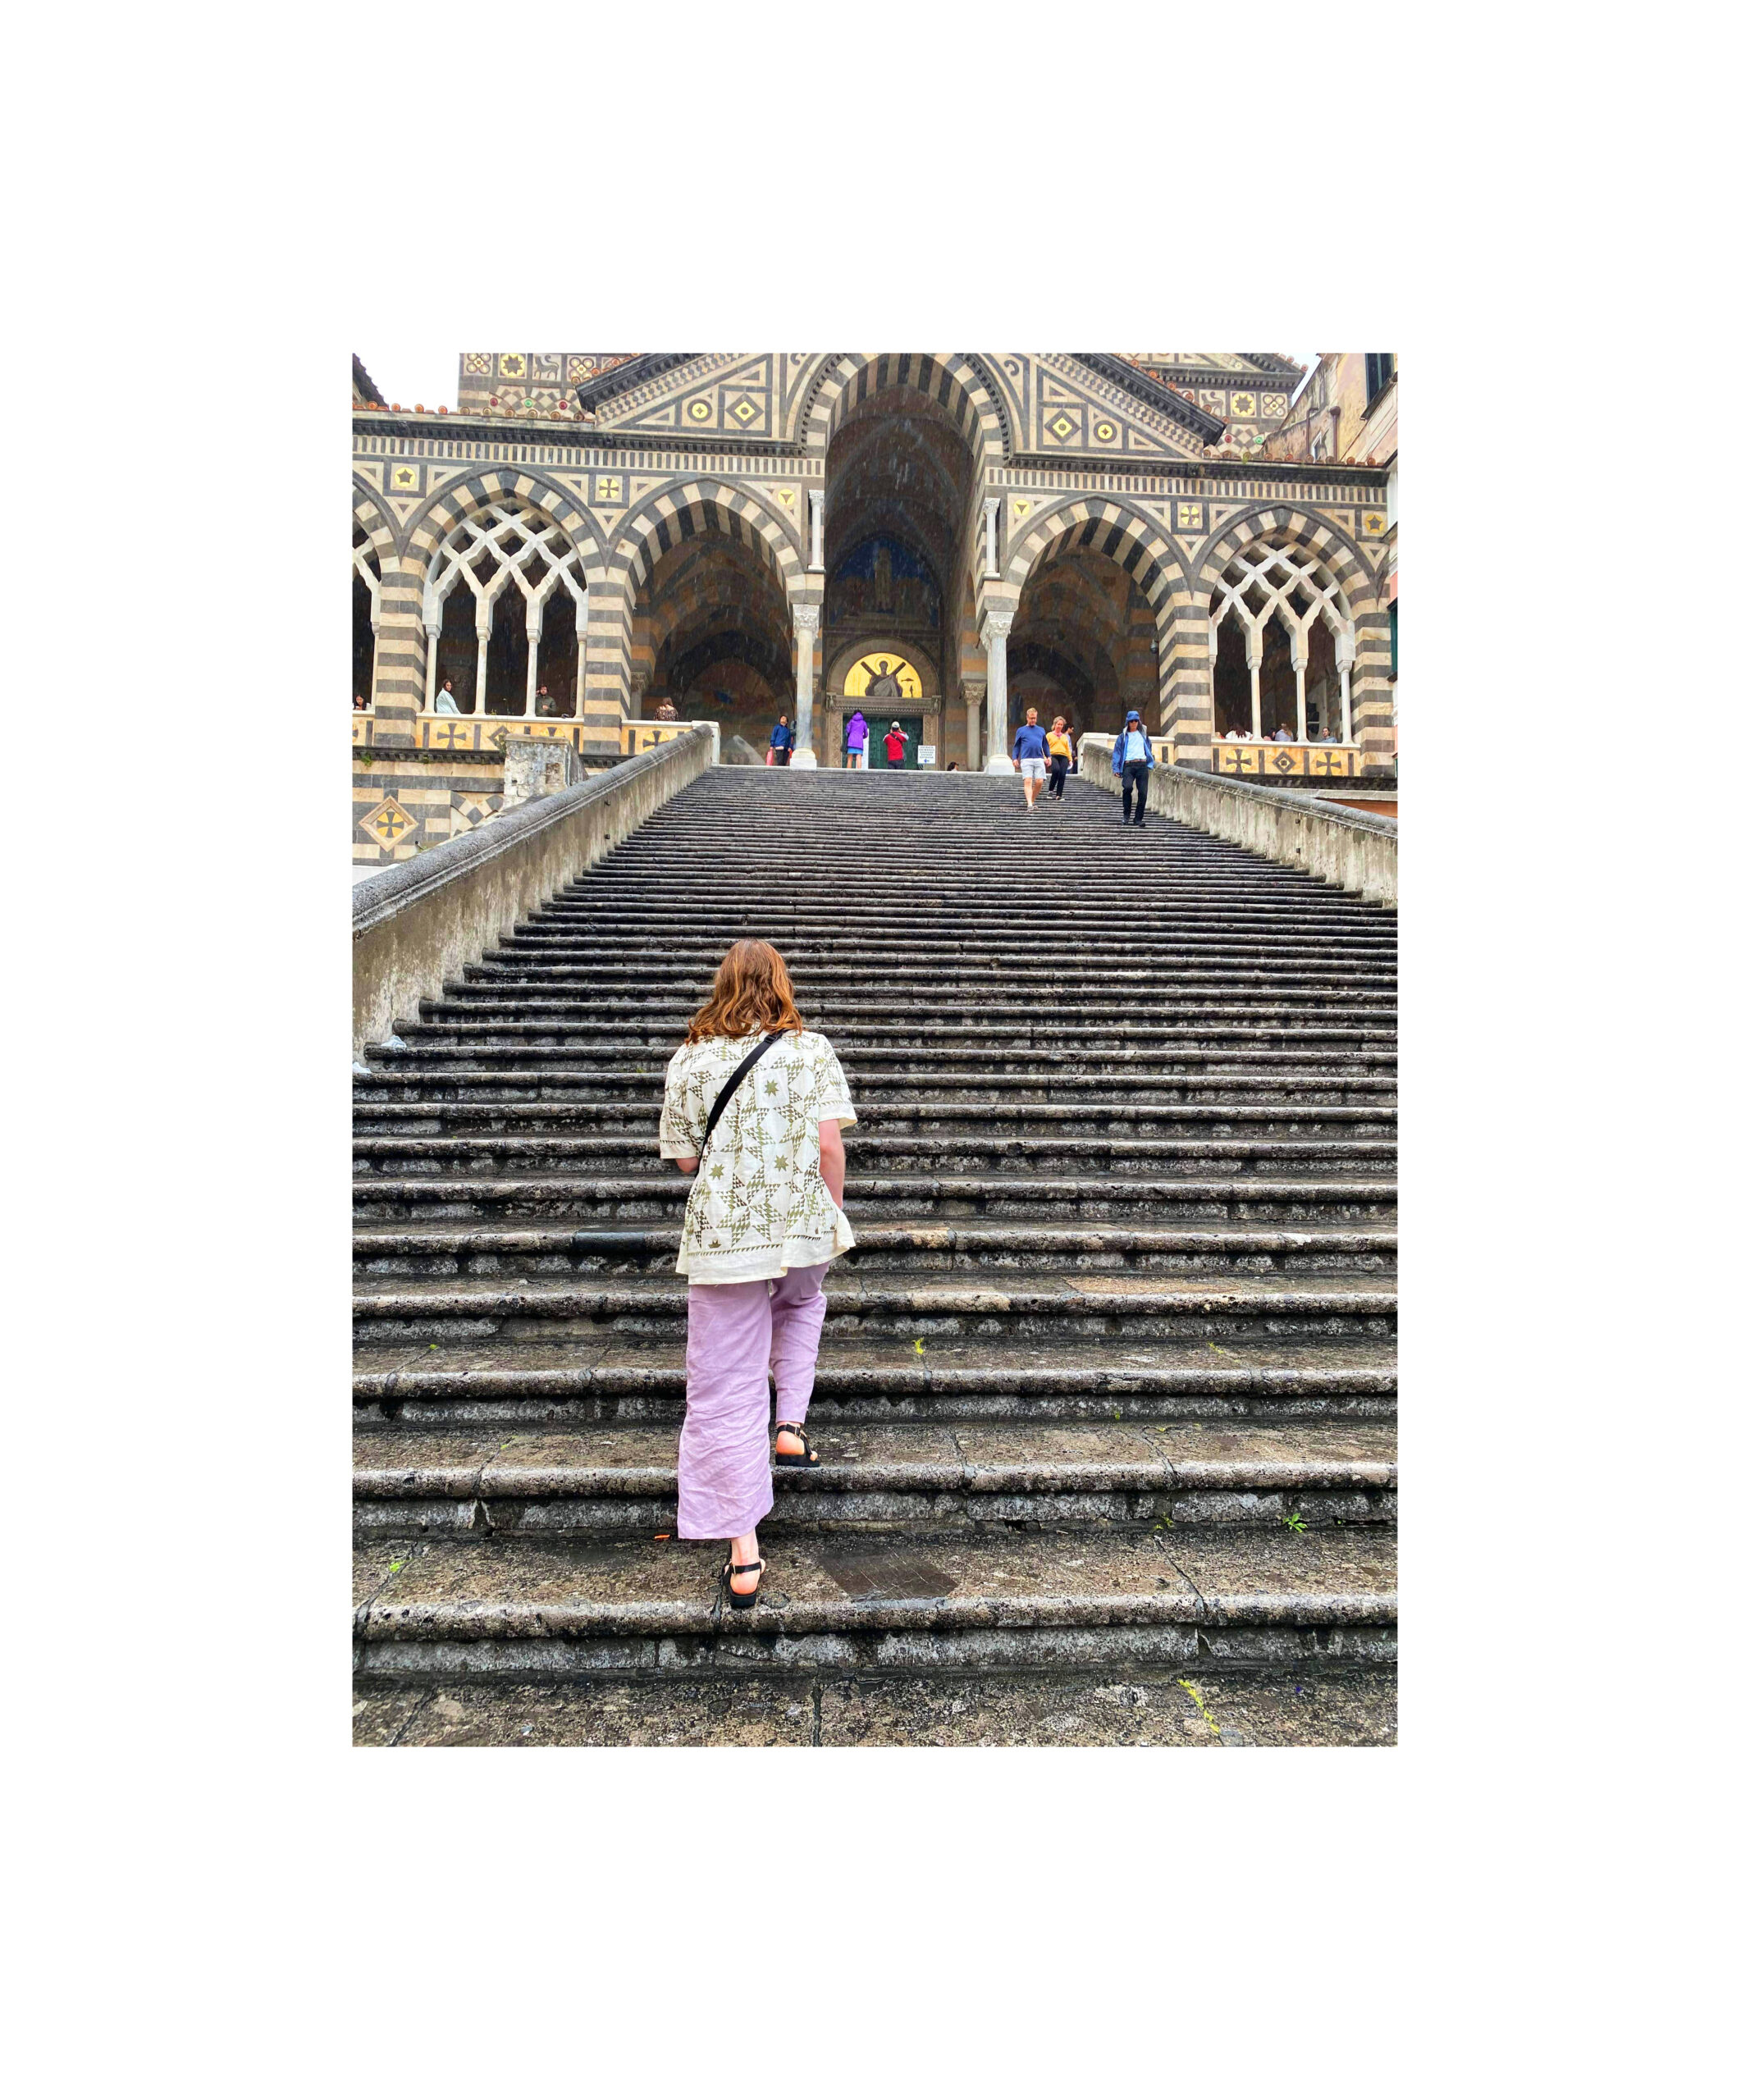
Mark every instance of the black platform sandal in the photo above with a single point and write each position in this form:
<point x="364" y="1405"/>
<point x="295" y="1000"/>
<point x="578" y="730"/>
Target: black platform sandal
<point x="737" y="1600"/>
<point x="806" y="1460"/>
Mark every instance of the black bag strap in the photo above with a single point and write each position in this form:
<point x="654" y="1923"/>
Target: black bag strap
<point x="734" y="1081"/>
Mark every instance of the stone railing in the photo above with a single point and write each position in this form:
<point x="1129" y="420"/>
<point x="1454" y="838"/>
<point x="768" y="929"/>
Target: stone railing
<point x="487" y="732"/>
<point x="417" y="923"/>
<point x="1344" y="847"/>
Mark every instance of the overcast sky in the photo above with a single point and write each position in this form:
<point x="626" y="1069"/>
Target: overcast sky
<point x="428" y="374"/>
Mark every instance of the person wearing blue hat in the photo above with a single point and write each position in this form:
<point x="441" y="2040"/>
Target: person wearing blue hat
<point x="1133" y="760"/>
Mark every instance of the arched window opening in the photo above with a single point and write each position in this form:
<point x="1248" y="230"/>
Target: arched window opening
<point x="1281" y="647"/>
<point x="505" y="604"/>
<point x="368" y="584"/>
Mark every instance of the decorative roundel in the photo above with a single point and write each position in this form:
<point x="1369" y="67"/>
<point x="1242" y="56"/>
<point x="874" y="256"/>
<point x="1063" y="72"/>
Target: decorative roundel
<point x="700" y="411"/>
<point x="1105" y="432"/>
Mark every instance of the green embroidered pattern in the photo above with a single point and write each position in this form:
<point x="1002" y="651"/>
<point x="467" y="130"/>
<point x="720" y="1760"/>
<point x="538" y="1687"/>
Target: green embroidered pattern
<point x="761" y="1205"/>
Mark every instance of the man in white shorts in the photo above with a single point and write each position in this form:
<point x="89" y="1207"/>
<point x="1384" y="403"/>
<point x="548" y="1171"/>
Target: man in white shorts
<point x="1029" y="754"/>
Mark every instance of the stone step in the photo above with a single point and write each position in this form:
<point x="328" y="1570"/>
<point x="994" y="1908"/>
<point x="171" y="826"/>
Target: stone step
<point x="1321" y="1704"/>
<point x="1054" y="1307"/>
<point x="438" y="1609"/>
<point x="628" y="952"/>
<point x="1375" y="1037"/>
<point x="1254" y="1198"/>
<point x="984" y="1152"/>
<point x="1241" y="1074"/>
<point x="956" y="1006"/>
<point x="887" y="1379"/>
<point x="1012" y="1249"/>
<point x="634" y="1100"/>
<point x="1122" y="1119"/>
<point x="621" y="1481"/>
<point x="853" y="972"/>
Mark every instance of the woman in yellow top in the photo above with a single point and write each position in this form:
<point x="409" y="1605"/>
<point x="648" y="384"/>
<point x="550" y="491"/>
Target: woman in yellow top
<point x="1060" y="751"/>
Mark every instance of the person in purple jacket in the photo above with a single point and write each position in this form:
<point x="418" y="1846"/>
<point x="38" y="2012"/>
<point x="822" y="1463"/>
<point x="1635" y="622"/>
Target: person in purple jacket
<point x="855" y="737"/>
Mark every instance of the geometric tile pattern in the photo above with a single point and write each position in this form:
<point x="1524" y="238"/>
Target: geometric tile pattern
<point x="1286" y="761"/>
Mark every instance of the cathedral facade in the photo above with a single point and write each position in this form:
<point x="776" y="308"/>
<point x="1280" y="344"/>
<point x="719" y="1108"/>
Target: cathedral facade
<point x="592" y="544"/>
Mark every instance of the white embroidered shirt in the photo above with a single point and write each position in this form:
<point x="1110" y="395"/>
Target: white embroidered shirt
<point x="759" y="1205"/>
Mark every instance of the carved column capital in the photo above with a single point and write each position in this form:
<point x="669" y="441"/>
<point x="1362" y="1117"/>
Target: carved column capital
<point x="997" y="622"/>
<point x="807" y="617"/>
<point x="972" y="691"/>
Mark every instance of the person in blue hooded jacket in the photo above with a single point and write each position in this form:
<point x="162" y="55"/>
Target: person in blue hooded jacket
<point x="1133" y="760"/>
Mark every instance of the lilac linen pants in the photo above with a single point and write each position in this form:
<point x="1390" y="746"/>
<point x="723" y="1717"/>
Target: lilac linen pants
<point x="734" y="1332"/>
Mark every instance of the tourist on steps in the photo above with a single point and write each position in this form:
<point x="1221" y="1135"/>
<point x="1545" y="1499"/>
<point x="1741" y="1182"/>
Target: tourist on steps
<point x="764" y="1218"/>
<point x="1030" y="754"/>
<point x="783" y="742"/>
<point x="855" y="737"/>
<point x="1133" y="758"/>
<point x="1060" y="751"/>
<point x="894" y="743"/>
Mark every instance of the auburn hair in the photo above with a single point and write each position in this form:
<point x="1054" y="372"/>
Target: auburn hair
<point x="751" y="992"/>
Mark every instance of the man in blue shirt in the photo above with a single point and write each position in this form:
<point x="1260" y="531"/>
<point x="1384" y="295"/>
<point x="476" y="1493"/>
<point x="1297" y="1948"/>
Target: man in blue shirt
<point x="1030" y="754"/>
<point x="1133" y="756"/>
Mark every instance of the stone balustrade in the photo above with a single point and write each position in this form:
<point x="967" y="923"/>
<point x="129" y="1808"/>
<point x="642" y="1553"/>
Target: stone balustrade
<point x="1355" y="850"/>
<point x="417" y="923"/>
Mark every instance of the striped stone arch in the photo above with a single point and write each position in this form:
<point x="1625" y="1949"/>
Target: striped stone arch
<point x="1370" y="689"/>
<point x="691" y="510"/>
<point x="1140" y="545"/>
<point x="456" y="501"/>
<point x="943" y="376"/>
<point x="1302" y="528"/>
<point x="379" y="526"/>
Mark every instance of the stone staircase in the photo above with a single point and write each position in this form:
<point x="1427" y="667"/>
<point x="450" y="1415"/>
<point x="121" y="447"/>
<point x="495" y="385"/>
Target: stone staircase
<point x="1107" y="1389"/>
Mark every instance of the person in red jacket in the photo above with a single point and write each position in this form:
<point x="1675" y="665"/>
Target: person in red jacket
<point x="895" y="743"/>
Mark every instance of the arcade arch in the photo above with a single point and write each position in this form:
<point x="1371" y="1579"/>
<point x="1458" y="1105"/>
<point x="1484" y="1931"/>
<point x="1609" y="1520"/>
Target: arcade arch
<point x="1282" y="645"/>
<point x="505" y="610"/>
<point x="712" y="631"/>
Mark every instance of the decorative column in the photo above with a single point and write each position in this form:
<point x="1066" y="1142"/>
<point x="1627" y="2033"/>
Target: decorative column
<point x="806" y="619"/>
<point x="1297" y="656"/>
<point x="817" y="527"/>
<point x="972" y="691"/>
<point x="482" y="636"/>
<point x="638" y="692"/>
<point x="534" y="653"/>
<point x="991" y="505"/>
<point x="1254" y="650"/>
<point x="997" y="622"/>
<point x="433" y="631"/>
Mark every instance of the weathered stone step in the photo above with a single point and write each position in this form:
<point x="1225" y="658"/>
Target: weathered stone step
<point x="1317" y="1704"/>
<point x="425" y="1249"/>
<point x="1077" y="1305"/>
<point x="459" y="1121"/>
<point x="887" y="1379"/>
<point x="1105" y="1042"/>
<point x="1239" y="1075"/>
<point x="1162" y="1000"/>
<point x="924" y="1475"/>
<point x="984" y="1152"/>
<point x="1278" y="1197"/>
<point x="628" y="952"/>
<point x="854" y="973"/>
<point x="437" y="1608"/>
<point x="636" y="1104"/>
